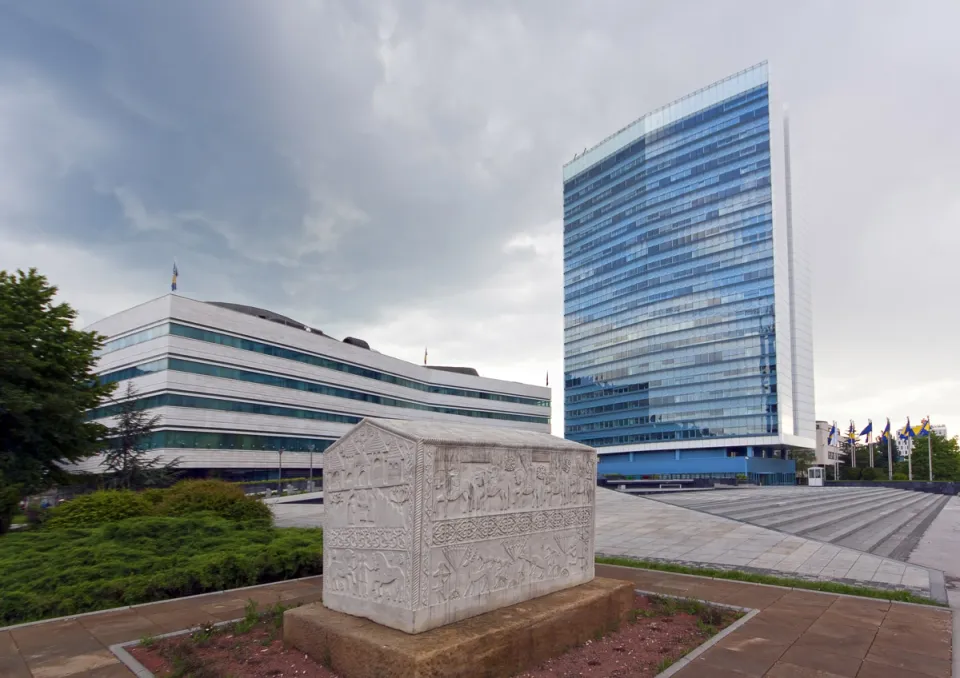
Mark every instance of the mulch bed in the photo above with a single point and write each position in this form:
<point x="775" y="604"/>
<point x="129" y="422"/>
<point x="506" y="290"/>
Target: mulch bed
<point x="660" y="631"/>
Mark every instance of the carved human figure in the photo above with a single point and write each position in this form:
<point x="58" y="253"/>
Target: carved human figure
<point x="522" y="490"/>
<point x="477" y="491"/>
<point x="496" y="491"/>
<point x="449" y="491"/>
<point x="363" y="508"/>
<point x="441" y="578"/>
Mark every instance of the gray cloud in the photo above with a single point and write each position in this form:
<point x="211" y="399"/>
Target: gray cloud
<point x="392" y="169"/>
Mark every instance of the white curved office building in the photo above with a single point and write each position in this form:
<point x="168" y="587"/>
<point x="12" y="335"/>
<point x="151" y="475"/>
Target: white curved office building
<point x="236" y="385"/>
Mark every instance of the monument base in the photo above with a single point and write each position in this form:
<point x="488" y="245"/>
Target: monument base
<point x="499" y="643"/>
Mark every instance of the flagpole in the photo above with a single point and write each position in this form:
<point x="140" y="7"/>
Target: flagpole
<point x="909" y="458"/>
<point x="889" y="457"/>
<point x="930" y="447"/>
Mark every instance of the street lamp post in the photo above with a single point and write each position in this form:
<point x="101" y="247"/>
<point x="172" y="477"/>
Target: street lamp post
<point x="280" y="471"/>
<point x="310" y="479"/>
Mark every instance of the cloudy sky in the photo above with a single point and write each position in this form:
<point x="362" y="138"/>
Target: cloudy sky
<point x="391" y="170"/>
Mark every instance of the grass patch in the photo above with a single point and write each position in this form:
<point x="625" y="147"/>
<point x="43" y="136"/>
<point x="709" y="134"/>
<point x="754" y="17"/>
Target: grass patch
<point x="54" y="572"/>
<point x="19" y="519"/>
<point x="750" y="577"/>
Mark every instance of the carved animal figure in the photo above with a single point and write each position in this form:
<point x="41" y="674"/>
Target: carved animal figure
<point x="496" y="491"/>
<point x="449" y="491"/>
<point x="387" y="580"/>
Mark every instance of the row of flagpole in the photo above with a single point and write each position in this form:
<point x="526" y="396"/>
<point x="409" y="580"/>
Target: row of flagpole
<point x="904" y="434"/>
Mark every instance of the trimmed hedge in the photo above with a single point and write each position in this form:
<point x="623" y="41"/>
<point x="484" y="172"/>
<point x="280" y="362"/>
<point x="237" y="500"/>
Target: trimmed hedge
<point x="55" y="572"/>
<point x="98" y="508"/>
<point x="228" y="501"/>
<point x="186" y="498"/>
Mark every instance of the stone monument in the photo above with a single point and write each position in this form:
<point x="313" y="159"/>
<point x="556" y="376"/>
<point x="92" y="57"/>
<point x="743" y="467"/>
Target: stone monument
<point x="430" y="523"/>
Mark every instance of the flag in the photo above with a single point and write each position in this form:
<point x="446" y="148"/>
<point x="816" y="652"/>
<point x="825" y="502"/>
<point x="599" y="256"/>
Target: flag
<point x="886" y="431"/>
<point x="173" y="282"/>
<point x="851" y="434"/>
<point x="548" y="377"/>
<point x="907" y="431"/>
<point x="424" y="356"/>
<point x="868" y="430"/>
<point x="925" y="427"/>
<point x="833" y="435"/>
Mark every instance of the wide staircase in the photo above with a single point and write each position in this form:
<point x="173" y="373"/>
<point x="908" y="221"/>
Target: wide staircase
<point x="880" y="520"/>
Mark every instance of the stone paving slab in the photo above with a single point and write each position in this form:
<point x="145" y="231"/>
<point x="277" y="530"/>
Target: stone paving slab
<point x="806" y="634"/>
<point x="77" y="647"/>
<point x="887" y="522"/>
<point x="796" y="633"/>
<point x="649" y="529"/>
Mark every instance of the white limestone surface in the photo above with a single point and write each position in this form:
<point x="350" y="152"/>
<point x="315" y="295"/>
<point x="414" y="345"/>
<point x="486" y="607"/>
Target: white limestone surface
<point x="429" y="523"/>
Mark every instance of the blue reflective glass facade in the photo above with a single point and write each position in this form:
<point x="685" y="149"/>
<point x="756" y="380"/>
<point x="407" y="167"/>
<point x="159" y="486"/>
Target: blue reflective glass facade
<point x="669" y="294"/>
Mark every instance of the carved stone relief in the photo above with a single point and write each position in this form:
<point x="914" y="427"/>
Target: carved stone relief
<point x="427" y="524"/>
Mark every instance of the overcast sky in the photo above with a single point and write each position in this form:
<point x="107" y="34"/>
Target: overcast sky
<point x="391" y="170"/>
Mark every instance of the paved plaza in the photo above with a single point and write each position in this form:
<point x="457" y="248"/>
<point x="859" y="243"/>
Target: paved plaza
<point x="640" y="527"/>
<point x="793" y="634"/>
<point x="878" y="520"/>
<point x="650" y="529"/>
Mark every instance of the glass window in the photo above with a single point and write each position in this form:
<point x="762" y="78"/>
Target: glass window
<point x="225" y="372"/>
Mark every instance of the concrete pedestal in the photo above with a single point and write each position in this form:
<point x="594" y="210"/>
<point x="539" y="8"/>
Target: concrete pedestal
<point x="499" y="643"/>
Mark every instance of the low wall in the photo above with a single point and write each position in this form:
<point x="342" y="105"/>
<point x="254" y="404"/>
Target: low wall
<point x="936" y="487"/>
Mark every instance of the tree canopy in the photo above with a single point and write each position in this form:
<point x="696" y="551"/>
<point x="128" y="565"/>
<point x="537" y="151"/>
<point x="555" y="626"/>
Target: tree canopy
<point x="47" y="383"/>
<point x="946" y="459"/>
<point x="127" y="462"/>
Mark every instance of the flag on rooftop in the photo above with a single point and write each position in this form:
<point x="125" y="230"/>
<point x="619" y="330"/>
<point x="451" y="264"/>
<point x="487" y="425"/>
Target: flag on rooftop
<point x="173" y="282"/>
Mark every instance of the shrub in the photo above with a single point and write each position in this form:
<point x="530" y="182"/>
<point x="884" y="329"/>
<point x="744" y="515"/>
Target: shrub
<point x="900" y="476"/>
<point x="869" y="474"/>
<point x="53" y="572"/>
<point x="100" y="507"/>
<point x="190" y="497"/>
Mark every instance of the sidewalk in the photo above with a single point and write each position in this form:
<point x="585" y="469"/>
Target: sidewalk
<point x="78" y="647"/>
<point x="797" y="634"/>
<point x="800" y="634"/>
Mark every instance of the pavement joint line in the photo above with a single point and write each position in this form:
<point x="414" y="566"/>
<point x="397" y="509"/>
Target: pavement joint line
<point x="787" y="588"/>
<point x="120" y="649"/>
<point x="772" y="529"/>
<point x="81" y="615"/>
<point x="681" y="663"/>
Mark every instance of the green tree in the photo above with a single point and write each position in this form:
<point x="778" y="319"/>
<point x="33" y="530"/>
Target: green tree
<point x="125" y="457"/>
<point x="804" y="460"/>
<point x="47" y="383"/>
<point x="946" y="459"/>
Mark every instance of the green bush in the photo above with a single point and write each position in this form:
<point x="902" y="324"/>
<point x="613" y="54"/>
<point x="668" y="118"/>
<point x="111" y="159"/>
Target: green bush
<point x="54" y="572"/>
<point x="99" y="507"/>
<point x="190" y="497"/>
<point x="900" y="476"/>
<point x="870" y="474"/>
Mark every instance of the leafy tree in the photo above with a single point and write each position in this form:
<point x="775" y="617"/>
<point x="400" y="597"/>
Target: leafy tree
<point x="125" y="458"/>
<point x="47" y="384"/>
<point x="804" y="459"/>
<point x="946" y="459"/>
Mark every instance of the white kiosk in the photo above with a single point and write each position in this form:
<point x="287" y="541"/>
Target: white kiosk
<point x="815" y="476"/>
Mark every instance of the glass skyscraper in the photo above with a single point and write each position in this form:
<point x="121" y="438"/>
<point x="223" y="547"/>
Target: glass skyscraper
<point x="687" y="331"/>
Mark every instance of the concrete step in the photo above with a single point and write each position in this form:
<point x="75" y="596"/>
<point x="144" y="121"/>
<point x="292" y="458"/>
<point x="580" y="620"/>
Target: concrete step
<point x="833" y="514"/>
<point x="728" y="506"/>
<point x="764" y="510"/>
<point x="901" y="544"/>
<point x="820" y="516"/>
<point x="849" y="523"/>
<point x="872" y="535"/>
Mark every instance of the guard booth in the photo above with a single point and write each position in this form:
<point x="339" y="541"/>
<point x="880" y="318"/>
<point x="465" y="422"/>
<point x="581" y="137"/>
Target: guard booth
<point x="815" y="476"/>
